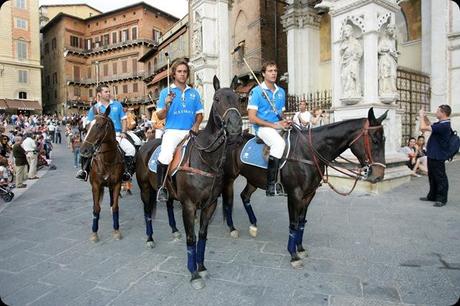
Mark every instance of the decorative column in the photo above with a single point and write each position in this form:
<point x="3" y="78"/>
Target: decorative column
<point x="454" y="65"/>
<point x="438" y="47"/>
<point x="210" y="51"/>
<point x="302" y="26"/>
<point x="364" y="63"/>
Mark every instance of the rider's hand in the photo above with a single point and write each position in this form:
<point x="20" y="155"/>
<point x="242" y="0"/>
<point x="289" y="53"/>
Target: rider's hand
<point x="123" y="135"/>
<point x="169" y="98"/>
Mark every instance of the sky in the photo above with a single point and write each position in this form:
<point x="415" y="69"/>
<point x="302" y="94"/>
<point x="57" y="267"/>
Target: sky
<point x="176" y="8"/>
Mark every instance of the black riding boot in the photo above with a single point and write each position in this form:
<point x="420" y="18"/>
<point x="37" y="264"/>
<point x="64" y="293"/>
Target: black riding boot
<point x="162" y="193"/>
<point x="130" y="164"/>
<point x="272" y="175"/>
<point x="82" y="174"/>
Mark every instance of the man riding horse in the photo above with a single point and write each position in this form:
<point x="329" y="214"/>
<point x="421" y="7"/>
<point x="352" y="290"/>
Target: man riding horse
<point x="265" y="110"/>
<point x="118" y="117"/>
<point x="181" y="105"/>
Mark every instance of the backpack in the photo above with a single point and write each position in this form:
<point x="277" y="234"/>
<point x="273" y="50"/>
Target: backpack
<point x="453" y="145"/>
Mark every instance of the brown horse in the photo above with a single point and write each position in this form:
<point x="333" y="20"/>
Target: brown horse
<point x="198" y="182"/>
<point x="107" y="168"/>
<point x="310" y="152"/>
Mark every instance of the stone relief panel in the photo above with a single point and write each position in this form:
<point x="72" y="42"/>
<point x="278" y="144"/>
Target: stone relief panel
<point x="351" y="53"/>
<point x="197" y="35"/>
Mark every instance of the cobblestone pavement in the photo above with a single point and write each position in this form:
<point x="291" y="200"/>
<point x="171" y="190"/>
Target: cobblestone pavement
<point x="381" y="250"/>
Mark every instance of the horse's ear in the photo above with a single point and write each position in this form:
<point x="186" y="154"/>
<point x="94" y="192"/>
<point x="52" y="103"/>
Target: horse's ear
<point x="234" y="83"/>
<point x="216" y="83"/>
<point x="383" y="117"/>
<point x="107" y="111"/>
<point x="371" y="116"/>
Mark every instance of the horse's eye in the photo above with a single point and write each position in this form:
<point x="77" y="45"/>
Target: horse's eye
<point x="217" y="99"/>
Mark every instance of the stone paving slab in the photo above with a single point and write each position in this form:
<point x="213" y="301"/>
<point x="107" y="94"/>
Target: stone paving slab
<point x="385" y="250"/>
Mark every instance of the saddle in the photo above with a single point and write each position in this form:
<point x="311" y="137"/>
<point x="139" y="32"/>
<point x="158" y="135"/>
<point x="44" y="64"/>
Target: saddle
<point x="255" y="152"/>
<point x="178" y="157"/>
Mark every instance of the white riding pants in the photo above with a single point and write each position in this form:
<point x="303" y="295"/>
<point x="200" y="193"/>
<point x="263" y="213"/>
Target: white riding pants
<point x="171" y="138"/>
<point x="273" y="139"/>
<point x="159" y="133"/>
<point x="126" y="146"/>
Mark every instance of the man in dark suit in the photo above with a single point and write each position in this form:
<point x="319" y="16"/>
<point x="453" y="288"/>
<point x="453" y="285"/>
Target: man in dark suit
<point x="437" y="153"/>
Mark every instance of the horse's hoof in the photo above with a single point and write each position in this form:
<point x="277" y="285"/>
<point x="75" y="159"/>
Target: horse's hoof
<point x="94" y="237"/>
<point x="197" y="283"/>
<point x="177" y="236"/>
<point x="297" y="264"/>
<point x="204" y="274"/>
<point x="253" y="231"/>
<point x="235" y="234"/>
<point x="150" y="244"/>
<point x="302" y="254"/>
<point x="116" y="235"/>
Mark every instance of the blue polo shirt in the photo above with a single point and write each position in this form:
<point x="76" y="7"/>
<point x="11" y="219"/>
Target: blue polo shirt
<point x="184" y="107"/>
<point x="116" y="113"/>
<point x="259" y="102"/>
<point x="438" y="143"/>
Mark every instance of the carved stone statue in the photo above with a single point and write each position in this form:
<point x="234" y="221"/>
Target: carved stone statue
<point x="351" y="53"/>
<point x="388" y="62"/>
<point x="197" y="35"/>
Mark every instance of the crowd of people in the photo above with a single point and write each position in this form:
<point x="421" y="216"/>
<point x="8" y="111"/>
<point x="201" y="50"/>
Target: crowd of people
<point x="26" y="143"/>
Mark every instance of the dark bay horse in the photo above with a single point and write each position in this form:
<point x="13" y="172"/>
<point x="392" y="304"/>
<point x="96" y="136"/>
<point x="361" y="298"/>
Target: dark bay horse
<point x="304" y="170"/>
<point x="198" y="182"/>
<point x="106" y="169"/>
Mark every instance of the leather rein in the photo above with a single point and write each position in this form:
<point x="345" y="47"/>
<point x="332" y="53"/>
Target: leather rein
<point x="362" y="173"/>
<point x="220" y="139"/>
<point x="97" y="145"/>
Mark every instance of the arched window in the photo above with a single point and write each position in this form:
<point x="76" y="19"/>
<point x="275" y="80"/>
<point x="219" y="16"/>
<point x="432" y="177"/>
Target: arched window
<point x="22" y="95"/>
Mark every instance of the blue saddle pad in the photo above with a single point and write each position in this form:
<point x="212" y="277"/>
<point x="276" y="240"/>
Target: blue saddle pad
<point x="253" y="154"/>
<point x="153" y="159"/>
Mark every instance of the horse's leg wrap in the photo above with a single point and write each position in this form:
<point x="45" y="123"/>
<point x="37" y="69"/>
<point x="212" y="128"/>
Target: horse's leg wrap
<point x="95" y="222"/>
<point x="250" y="212"/>
<point x="200" y="249"/>
<point x="228" y="216"/>
<point x="115" y="218"/>
<point x="291" y="247"/>
<point x="191" y="257"/>
<point x="171" y="219"/>
<point x="300" y="232"/>
<point x="148" y="226"/>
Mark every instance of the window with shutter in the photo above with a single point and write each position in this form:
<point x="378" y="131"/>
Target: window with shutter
<point x="76" y="73"/>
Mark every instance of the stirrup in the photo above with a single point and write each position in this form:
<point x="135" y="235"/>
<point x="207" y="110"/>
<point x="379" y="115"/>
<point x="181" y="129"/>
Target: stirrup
<point x="279" y="190"/>
<point x="82" y="175"/>
<point x="160" y="192"/>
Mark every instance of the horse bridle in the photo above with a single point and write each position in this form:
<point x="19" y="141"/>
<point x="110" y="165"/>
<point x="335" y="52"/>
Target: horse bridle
<point x="363" y="172"/>
<point x="224" y="116"/>
<point x="367" y="145"/>
<point x="97" y="144"/>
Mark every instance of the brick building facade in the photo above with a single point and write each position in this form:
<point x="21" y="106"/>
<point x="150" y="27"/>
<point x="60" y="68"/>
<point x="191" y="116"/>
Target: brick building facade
<point x="79" y="54"/>
<point x="257" y="23"/>
<point x="20" y="84"/>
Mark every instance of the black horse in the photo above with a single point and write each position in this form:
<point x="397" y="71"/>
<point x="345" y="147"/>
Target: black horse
<point x="198" y="182"/>
<point x="311" y="151"/>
